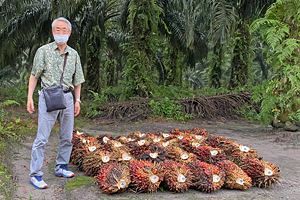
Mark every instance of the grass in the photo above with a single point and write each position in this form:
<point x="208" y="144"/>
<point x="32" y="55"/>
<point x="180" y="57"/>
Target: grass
<point x="6" y="182"/>
<point x="15" y="126"/>
<point x="79" y="181"/>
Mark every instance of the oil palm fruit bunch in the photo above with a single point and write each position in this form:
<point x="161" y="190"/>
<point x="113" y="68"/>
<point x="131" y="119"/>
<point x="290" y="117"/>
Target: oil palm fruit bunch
<point x="86" y="146"/>
<point x="209" y="154"/>
<point x="236" y="178"/>
<point x="263" y="173"/>
<point x="240" y="152"/>
<point x="77" y="137"/>
<point x="178" y="154"/>
<point x="207" y="177"/>
<point x="178" y="134"/>
<point x="220" y="142"/>
<point x="138" y="147"/>
<point x="154" y="137"/>
<point x="154" y="153"/>
<point x="123" y="154"/>
<point x="145" y="175"/>
<point x="113" y="177"/>
<point x="189" y="143"/>
<point x="177" y="176"/>
<point x="124" y="139"/>
<point x="92" y="162"/>
<point x="137" y="135"/>
<point x="234" y="151"/>
<point x="166" y="136"/>
<point x="199" y="131"/>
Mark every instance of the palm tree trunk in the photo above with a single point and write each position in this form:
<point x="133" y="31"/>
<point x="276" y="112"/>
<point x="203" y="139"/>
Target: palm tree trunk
<point x="216" y="71"/>
<point x="240" y="61"/>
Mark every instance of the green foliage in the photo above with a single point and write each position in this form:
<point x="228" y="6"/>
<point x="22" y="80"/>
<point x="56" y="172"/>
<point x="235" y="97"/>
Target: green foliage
<point x="91" y="107"/>
<point x="5" y="182"/>
<point x="16" y="92"/>
<point x="173" y="92"/>
<point x="168" y="108"/>
<point x="138" y="79"/>
<point x="280" y="30"/>
<point x="12" y="130"/>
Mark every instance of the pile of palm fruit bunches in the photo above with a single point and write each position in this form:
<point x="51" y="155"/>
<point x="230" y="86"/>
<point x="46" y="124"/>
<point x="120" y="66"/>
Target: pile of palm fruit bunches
<point x="176" y="161"/>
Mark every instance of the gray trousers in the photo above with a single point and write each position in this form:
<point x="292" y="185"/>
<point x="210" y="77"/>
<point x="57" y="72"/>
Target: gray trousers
<point x="46" y="121"/>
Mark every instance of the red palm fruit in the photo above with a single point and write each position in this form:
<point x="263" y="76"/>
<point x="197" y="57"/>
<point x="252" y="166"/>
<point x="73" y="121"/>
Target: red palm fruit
<point x="209" y="154"/>
<point x="145" y="175"/>
<point x="207" y="177"/>
<point x="93" y="161"/>
<point x="178" y="154"/>
<point x="236" y="178"/>
<point x="263" y="173"/>
<point x="113" y="178"/>
<point x="177" y="176"/>
<point x="154" y="153"/>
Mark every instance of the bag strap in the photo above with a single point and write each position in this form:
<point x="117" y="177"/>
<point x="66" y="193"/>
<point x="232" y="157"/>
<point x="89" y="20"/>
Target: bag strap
<point x="64" y="66"/>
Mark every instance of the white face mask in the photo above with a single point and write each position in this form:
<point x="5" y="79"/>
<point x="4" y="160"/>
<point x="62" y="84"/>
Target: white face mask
<point x="61" y="39"/>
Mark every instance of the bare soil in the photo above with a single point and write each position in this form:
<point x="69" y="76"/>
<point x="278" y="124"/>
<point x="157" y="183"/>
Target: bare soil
<point x="277" y="146"/>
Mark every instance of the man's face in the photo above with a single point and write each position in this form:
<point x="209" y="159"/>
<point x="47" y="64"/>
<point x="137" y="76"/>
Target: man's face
<point x="61" y="28"/>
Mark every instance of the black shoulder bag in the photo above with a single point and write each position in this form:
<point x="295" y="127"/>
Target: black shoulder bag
<point x="54" y="95"/>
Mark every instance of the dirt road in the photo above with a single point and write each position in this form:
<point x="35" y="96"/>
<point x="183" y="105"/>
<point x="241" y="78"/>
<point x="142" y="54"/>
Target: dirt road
<point x="282" y="148"/>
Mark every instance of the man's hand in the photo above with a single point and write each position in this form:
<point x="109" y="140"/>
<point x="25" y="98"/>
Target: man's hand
<point x="30" y="106"/>
<point x="76" y="108"/>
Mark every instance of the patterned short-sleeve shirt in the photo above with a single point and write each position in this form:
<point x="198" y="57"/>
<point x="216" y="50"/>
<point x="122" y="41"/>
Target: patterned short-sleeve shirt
<point x="48" y="64"/>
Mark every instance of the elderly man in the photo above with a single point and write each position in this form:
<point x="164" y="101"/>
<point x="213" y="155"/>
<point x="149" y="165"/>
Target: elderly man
<point x="49" y="65"/>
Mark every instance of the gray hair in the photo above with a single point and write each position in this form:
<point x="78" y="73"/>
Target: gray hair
<point x="63" y="20"/>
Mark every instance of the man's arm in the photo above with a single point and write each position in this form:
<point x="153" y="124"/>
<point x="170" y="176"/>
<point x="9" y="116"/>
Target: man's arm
<point x="77" y="90"/>
<point x="31" y="87"/>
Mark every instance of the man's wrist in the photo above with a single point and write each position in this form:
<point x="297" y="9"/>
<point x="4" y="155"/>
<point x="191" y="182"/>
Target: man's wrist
<point x="78" y="100"/>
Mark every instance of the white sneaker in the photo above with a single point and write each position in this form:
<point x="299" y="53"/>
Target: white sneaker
<point x="63" y="171"/>
<point x="38" y="182"/>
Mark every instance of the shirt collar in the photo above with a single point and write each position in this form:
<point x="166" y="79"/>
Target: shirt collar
<point x="55" y="47"/>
